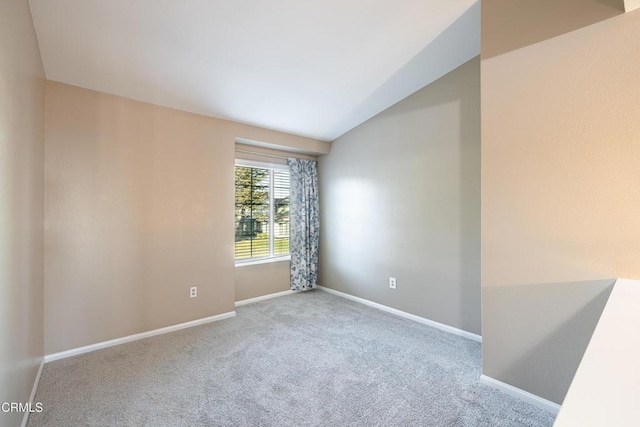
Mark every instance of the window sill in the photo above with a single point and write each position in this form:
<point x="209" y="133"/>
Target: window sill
<point x="263" y="260"/>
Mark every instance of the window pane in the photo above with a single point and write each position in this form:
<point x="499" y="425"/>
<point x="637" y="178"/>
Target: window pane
<point x="253" y="232"/>
<point x="252" y="212"/>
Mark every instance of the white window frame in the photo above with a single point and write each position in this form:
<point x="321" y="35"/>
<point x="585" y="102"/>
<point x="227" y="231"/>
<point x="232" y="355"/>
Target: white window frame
<point x="270" y="258"/>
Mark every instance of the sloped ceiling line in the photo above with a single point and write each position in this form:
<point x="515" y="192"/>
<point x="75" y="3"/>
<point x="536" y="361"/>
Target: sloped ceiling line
<point x="314" y="69"/>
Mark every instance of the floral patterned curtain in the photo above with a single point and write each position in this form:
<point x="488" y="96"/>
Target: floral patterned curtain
<point x="304" y="223"/>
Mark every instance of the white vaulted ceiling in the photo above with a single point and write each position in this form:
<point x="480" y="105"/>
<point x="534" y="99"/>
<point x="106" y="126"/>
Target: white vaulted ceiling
<point x="307" y="67"/>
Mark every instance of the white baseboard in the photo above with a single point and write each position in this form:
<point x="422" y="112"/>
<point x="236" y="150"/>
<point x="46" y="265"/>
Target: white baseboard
<point x="521" y="394"/>
<point x="25" y="417"/>
<point x="263" y="297"/>
<point x="89" y="348"/>
<point x="432" y="323"/>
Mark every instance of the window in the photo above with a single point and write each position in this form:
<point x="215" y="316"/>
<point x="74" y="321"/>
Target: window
<point x="261" y="211"/>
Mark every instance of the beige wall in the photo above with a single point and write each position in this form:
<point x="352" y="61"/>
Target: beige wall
<point x="560" y="179"/>
<point x="139" y="207"/>
<point x="400" y="196"/>
<point x="22" y="92"/>
<point x="262" y="279"/>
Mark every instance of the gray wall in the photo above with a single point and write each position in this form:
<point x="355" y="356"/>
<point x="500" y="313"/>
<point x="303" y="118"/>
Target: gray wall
<point x="560" y="181"/>
<point x="535" y="335"/>
<point x="400" y="196"/>
<point x="22" y="93"/>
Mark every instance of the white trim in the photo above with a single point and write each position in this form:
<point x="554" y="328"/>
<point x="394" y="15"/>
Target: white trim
<point x="521" y="394"/>
<point x="604" y="390"/>
<point x="432" y="323"/>
<point x="89" y="348"/>
<point x="25" y="417"/>
<point x="265" y="260"/>
<point x="263" y="297"/>
<point x="630" y="5"/>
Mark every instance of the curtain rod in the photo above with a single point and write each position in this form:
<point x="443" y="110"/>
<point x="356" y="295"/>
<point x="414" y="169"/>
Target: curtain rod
<point x="257" y="153"/>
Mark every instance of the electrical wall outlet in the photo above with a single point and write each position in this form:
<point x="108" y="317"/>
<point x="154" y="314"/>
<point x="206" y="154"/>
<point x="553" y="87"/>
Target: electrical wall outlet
<point x="392" y="282"/>
<point x="193" y="292"/>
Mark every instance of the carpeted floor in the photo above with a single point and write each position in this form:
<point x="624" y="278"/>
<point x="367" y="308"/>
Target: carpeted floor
<point x="308" y="359"/>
